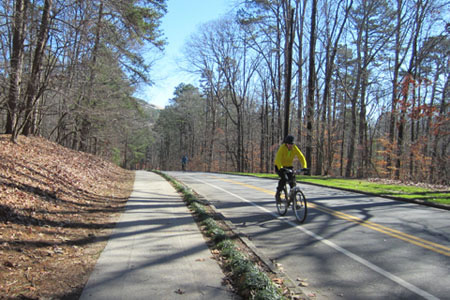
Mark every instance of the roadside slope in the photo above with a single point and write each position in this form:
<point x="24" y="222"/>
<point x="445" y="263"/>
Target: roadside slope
<point x="57" y="207"/>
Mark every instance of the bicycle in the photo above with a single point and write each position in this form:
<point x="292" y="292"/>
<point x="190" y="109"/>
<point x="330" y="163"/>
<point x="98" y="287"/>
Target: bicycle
<point x="292" y="195"/>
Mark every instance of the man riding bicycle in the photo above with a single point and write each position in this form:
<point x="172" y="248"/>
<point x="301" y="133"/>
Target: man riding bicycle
<point x="284" y="160"/>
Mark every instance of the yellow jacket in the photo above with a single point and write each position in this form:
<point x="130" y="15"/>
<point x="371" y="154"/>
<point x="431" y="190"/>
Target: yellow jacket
<point x="285" y="158"/>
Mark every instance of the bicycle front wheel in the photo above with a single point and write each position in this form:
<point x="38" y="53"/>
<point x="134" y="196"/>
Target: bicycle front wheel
<point x="299" y="206"/>
<point x="282" y="203"/>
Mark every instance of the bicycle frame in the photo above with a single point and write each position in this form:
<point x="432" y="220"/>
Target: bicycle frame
<point x="293" y="196"/>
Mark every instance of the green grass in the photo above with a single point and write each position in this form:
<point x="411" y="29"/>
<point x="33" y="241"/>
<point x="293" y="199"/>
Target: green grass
<point x="376" y="188"/>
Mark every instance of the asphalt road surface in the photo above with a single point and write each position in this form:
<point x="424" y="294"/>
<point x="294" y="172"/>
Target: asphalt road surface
<point x="351" y="246"/>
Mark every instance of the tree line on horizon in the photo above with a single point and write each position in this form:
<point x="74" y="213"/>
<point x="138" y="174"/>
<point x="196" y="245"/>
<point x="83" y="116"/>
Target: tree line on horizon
<point x="362" y="85"/>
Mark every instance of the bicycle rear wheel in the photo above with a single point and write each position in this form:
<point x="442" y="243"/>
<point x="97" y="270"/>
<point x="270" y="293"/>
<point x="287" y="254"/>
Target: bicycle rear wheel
<point x="282" y="204"/>
<point x="299" y="206"/>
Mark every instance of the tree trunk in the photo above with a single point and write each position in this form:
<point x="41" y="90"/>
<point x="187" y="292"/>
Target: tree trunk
<point x="392" y="119"/>
<point x="288" y="70"/>
<point x="441" y="172"/>
<point x="362" y="137"/>
<point x="86" y="123"/>
<point x="19" y="28"/>
<point x="311" y="86"/>
<point x="354" y="101"/>
<point x="31" y="93"/>
<point x="300" y="74"/>
<point x="212" y="109"/>
<point x="264" y="117"/>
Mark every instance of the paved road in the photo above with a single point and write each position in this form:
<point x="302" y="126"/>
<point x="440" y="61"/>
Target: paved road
<point x="352" y="246"/>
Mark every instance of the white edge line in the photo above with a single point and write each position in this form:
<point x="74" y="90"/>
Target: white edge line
<point x="329" y="243"/>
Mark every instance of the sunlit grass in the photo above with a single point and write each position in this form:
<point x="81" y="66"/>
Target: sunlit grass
<point x="376" y="188"/>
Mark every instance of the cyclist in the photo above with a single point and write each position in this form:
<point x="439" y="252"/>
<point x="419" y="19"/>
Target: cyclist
<point x="184" y="161"/>
<point x="284" y="160"/>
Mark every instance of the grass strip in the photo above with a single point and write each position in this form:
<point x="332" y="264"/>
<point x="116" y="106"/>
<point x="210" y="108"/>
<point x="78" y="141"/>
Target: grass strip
<point x="248" y="279"/>
<point x="400" y="191"/>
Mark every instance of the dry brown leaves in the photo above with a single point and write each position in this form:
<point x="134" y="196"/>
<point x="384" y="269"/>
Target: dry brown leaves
<point x="57" y="208"/>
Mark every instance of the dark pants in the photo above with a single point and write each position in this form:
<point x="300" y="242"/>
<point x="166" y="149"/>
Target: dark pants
<point x="282" y="180"/>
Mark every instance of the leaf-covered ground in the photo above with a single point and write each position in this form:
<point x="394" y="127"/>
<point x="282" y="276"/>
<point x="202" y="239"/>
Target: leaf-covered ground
<point x="57" y="209"/>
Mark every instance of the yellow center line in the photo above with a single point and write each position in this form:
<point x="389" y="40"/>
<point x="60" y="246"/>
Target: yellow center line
<point x="438" y="248"/>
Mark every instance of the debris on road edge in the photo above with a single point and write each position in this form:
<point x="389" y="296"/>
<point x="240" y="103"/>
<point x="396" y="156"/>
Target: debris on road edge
<point x="247" y="276"/>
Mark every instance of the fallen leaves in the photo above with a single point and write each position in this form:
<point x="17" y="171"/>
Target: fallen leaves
<point x="302" y="282"/>
<point x="56" y="206"/>
<point x="8" y="264"/>
<point x="278" y="281"/>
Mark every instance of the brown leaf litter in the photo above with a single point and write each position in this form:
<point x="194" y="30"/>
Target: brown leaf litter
<point x="57" y="209"/>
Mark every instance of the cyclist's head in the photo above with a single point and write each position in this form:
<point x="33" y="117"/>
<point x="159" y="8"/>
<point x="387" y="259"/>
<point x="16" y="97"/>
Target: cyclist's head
<point x="289" y="139"/>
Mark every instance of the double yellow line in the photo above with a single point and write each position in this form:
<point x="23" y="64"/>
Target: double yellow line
<point x="441" y="249"/>
<point x="438" y="248"/>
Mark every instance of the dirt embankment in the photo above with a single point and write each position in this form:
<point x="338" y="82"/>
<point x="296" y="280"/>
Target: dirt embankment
<point x="57" y="208"/>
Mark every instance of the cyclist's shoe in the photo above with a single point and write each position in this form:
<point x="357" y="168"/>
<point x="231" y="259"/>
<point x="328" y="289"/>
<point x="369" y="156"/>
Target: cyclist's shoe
<point x="298" y="206"/>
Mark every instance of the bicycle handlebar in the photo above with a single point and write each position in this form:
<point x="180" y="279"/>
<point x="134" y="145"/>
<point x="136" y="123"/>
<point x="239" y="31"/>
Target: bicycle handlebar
<point x="298" y="171"/>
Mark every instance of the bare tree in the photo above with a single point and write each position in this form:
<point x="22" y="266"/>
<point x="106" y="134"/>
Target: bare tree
<point x="17" y="56"/>
<point x="32" y="93"/>
<point x="331" y="47"/>
<point x="311" y="86"/>
<point x="370" y="40"/>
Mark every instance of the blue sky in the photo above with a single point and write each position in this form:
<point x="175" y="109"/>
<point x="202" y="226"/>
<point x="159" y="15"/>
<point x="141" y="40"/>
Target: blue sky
<point x="182" y="19"/>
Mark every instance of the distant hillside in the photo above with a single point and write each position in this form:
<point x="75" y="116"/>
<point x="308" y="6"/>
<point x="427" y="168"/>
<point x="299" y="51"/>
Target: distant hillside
<point x="56" y="209"/>
<point x="150" y="109"/>
<point x="152" y="106"/>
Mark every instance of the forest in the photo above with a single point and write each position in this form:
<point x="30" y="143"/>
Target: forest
<point x="361" y="84"/>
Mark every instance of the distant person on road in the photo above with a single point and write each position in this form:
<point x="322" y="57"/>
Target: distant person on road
<point x="184" y="161"/>
<point x="284" y="160"/>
